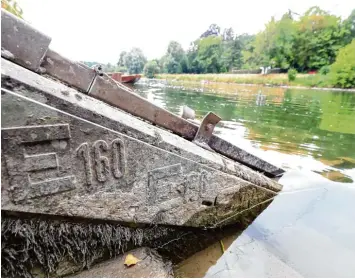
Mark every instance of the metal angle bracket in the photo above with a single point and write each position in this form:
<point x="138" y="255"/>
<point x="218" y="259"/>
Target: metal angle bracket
<point x="205" y="130"/>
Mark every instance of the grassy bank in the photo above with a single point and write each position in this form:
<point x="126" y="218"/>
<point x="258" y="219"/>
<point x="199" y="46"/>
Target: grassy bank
<point x="305" y="80"/>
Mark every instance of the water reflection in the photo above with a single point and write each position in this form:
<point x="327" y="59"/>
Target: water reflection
<point x="308" y="124"/>
<point x="309" y="228"/>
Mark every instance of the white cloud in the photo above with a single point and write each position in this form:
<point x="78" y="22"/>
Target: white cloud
<point x="100" y="30"/>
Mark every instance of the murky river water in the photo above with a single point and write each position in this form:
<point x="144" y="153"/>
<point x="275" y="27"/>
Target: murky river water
<point x="309" y="229"/>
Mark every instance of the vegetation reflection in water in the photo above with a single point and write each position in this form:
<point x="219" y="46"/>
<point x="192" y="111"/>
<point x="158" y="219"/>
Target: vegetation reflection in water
<point x="307" y="132"/>
<point x="307" y="123"/>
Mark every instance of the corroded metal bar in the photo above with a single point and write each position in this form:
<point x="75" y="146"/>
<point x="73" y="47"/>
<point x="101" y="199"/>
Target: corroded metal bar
<point x="231" y="151"/>
<point x="76" y="74"/>
<point x="108" y="90"/>
<point x="21" y="43"/>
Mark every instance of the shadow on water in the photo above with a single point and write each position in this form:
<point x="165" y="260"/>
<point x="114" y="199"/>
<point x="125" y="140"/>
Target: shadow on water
<point x="309" y="229"/>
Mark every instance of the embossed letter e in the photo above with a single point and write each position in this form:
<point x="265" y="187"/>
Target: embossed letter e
<point x="33" y="155"/>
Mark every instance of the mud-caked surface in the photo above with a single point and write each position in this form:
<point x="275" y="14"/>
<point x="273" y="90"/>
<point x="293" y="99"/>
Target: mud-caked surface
<point x="150" y="265"/>
<point x="38" y="246"/>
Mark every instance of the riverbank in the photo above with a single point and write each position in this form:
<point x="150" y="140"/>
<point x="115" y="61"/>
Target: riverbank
<point x="306" y="81"/>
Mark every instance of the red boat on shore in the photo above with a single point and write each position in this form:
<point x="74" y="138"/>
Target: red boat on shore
<point x="124" y="78"/>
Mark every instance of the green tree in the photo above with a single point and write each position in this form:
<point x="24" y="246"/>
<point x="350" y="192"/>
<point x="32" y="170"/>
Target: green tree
<point x="175" y="50"/>
<point x="349" y="26"/>
<point x="319" y="37"/>
<point x="342" y="71"/>
<point x="274" y="46"/>
<point x="308" y="43"/>
<point x="135" y="60"/>
<point x="151" y="68"/>
<point x="171" y="65"/>
<point x="232" y="56"/>
<point x="121" y="60"/>
<point x="205" y="53"/>
<point x="263" y="44"/>
<point x="282" y="48"/>
<point x="175" y="60"/>
<point x="248" y="47"/>
<point x="209" y="53"/>
<point x="194" y="65"/>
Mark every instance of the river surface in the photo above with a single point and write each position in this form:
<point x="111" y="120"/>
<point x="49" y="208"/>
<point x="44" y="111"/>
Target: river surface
<point x="309" y="229"/>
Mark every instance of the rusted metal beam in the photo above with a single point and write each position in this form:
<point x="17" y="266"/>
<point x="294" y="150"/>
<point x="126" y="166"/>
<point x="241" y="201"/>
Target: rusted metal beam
<point x="21" y="43"/>
<point x="76" y="74"/>
<point x="233" y="152"/>
<point x="110" y="91"/>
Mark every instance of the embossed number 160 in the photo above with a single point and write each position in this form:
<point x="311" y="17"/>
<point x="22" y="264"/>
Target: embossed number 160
<point x="102" y="163"/>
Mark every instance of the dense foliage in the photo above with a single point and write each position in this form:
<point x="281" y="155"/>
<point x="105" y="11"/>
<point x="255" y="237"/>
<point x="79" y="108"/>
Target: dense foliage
<point x="151" y="69"/>
<point x="291" y="74"/>
<point x="342" y="71"/>
<point x="307" y="42"/>
<point x="134" y="61"/>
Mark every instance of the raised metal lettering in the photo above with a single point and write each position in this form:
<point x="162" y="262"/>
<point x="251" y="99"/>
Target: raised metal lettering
<point x="118" y="158"/>
<point x="102" y="167"/>
<point x="33" y="160"/>
<point x="102" y="164"/>
<point x="163" y="183"/>
<point x="84" y="152"/>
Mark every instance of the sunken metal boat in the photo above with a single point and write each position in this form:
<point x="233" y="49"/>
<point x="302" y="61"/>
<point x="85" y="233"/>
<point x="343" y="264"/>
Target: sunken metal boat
<point x="91" y="170"/>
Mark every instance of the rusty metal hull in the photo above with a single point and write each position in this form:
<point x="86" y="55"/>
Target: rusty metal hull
<point x="84" y="178"/>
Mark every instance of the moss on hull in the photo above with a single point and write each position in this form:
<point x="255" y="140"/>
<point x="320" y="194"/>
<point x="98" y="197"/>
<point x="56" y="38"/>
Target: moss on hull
<point x="36" y="246"/>
<point x="29" y="245"/>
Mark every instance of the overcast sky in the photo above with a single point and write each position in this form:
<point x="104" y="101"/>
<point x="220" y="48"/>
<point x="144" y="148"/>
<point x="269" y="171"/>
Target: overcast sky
<point x="99" y="30"/>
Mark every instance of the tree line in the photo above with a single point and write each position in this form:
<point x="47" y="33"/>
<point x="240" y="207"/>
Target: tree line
<point x="309" y="42"/>
<point x="316" y="40"/>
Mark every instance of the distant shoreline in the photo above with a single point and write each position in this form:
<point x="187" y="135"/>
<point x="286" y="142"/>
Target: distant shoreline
<point x="273" y="80"/>
<point x="315" y="88"/>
